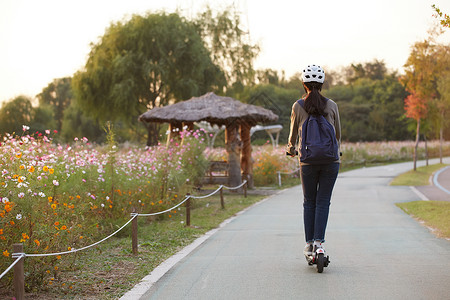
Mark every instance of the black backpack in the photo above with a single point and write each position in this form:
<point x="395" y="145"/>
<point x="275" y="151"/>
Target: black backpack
<point x="319" y="144"/>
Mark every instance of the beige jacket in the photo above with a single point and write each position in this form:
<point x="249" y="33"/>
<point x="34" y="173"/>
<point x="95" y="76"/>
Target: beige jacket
<point x="299" y="116"/>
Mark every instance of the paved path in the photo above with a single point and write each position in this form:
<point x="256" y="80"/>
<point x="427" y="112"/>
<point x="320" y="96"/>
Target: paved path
<point x="440" y="187"/>
<point x="376" y="250"/>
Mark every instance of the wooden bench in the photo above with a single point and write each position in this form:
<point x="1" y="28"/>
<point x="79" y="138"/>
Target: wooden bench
<point x="217" y="173"/>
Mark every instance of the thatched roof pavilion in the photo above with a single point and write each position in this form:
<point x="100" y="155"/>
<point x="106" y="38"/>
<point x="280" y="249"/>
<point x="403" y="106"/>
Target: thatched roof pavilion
<point x="219" y="110"/>
<point x="211" y="108"/>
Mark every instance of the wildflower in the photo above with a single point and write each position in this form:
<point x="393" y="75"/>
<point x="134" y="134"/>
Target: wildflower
<point x="1" y="230"/>
<point x="41" y="194"/>
<point x="18" y="155"/>
<point x="21" y="167"/>
<point x="55" y="182"/>
<point x="53" y="206"/>
<point x="50" y="199"/>
<point x="11" y="222"/>
<point x="5" y="200"/>
<point x="18" y="216"/>
<point x="56" y="223"/>
<point x="47" y="131"/>
<point x="25" y="127"/>
<point x="31" y="169"/>
<point x="64" y="227"/>
<point x="69" y="248"/>
<point x="56" y="267"/>
<point x="45" y="169"/>
<point x="58" y="257"/>
<point x="21" y="178"/>
<point x="51" y="171"/>
<point x="21" y="195"/>
<point x="37" y="243"/>
<point x="6" y="253"/>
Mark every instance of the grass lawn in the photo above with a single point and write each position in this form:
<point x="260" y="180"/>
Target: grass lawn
<point x="417" y="178"/>
<point x="433" y="214"/>
<point x="110" y="269"/>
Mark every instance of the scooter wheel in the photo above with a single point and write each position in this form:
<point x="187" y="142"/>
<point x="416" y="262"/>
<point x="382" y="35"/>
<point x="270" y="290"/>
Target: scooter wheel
<point x="320" y="262"/>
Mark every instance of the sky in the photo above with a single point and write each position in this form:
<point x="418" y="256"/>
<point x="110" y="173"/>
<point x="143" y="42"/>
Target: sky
<point x="48" y="39"/>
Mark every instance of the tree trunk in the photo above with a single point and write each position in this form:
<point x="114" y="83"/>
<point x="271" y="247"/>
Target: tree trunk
<point x="246" y="157"/>
<point x="417" y="144"/>
<point x="233" y="148"/>
<point x="441" y="137"/>
<point x="426" y="148"/>
<point x="152" y="137"/>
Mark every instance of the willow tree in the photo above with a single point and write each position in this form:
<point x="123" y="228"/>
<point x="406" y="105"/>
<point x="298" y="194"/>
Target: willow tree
<point x="229" y="45"/>
<point x="146" y="62"/>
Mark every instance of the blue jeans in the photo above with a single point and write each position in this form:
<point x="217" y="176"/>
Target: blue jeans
<point x="317" y="184"/>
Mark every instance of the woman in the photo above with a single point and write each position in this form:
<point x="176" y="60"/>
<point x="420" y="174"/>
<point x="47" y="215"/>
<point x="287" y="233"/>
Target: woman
<point x="317" y="178"/>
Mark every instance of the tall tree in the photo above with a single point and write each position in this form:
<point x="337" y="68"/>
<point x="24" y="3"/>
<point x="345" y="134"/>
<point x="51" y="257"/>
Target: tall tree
<point x="443" y="18"/>
<point x="14" y="114"/>
<point x="146" y="62"/>
<point x="375" y="70"/>
<point x="57" y="95"/>
<point x="415" y="109"/>
<point x="421" y="71"/>
<point x="443" y="106"/>
<point x="229" y="45"/>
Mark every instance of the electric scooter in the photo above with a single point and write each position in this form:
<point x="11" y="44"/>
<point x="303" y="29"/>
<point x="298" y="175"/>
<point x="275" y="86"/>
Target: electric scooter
<point x="318" y="258"/>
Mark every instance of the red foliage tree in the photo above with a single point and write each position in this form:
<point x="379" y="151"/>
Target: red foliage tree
<point x="416" y="108"/>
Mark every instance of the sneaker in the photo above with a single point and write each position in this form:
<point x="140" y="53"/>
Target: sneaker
<point x="308" y="250"/>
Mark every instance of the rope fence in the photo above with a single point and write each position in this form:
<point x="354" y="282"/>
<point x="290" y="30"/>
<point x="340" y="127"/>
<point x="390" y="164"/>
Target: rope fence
<point x="19" y="255"/>
<point x="285" y="173"/>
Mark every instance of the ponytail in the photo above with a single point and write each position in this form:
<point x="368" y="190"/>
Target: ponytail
<point x="315" y="103"/>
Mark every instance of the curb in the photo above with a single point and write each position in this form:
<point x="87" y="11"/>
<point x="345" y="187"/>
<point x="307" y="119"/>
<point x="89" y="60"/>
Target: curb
<point x="435" y="180"/>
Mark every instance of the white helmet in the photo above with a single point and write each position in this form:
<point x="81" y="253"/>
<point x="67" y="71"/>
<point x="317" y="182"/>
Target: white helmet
<point x="313" y="73"/>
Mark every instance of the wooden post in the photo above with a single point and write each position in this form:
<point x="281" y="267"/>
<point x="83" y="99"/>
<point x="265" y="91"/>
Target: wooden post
<point x="174" y="133"/>
<point x="233" y="148"/>
<point x="222" y="203"/>
<point x="245" y="189"/>
<point x="134" y="234"/>
<point x="19" y="280"/>
<point x="188" y="210"/>
<point x="246" y="157"/>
